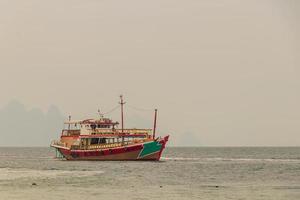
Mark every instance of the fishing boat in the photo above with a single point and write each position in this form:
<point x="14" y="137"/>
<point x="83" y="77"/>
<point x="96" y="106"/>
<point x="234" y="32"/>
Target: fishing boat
<point x="101" y="139"/>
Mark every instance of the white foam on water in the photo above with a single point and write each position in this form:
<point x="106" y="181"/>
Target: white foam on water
<point x="11" y="174"/>
<point x="230" y="159"/>
<point x="180" y="158"/>
<point x="253" y="159"/>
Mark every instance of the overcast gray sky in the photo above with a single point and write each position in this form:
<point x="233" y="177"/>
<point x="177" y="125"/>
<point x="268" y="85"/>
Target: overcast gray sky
<point x="220" y="72"/>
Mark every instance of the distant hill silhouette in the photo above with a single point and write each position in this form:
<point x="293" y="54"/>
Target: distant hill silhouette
<point x="23" y="127"/>
<point x="20" y="126"/>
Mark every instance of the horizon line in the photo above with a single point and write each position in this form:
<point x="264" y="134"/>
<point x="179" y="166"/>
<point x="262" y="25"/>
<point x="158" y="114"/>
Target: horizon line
<point x="178" y="146"/>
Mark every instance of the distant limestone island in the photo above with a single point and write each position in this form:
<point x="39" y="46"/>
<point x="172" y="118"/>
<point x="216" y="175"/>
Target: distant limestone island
<point x="21" y="126"/>
<point x="28" y="127"/>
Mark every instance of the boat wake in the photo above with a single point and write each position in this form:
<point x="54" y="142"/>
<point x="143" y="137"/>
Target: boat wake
<point x="229" y="159"/>
<point x="180" y="159"/>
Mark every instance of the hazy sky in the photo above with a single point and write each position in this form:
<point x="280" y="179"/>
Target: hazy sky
<point x="220" y="72"/>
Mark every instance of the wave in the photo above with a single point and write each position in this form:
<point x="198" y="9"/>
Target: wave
<point x="13" y="173"/>
<point x="230" y="159"/>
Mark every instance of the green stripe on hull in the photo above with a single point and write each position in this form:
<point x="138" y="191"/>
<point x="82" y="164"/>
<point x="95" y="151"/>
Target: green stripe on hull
<point x="150" y="148"/>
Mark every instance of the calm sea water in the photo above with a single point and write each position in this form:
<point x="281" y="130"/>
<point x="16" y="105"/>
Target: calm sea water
<point x="184" y="173"/>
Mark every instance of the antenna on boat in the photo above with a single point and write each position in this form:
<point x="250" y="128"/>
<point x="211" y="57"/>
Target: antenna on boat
<point x="100" y="114"/>
<point x="122" y="112"/>
<point x="154" y="127"/>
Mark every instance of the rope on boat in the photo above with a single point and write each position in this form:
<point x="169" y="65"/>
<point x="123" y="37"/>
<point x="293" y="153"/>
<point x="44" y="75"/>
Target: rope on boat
<point x="112" y="110"/>
<point x="130" y="106"/>
<point x="140" y="109"/>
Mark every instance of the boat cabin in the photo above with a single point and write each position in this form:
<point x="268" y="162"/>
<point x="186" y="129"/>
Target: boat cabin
<point x="89" y="127"/>
<point x="100" y="133"/>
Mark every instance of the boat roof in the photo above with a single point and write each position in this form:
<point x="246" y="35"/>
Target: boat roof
<point x="102" y="121"/>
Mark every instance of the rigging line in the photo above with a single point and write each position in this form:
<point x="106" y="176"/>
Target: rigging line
<point x="140" y="109"/>
<point x="112" y="110"/>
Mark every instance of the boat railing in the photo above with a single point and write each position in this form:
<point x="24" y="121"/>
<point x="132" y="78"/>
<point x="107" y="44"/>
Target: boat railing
<point x="77" y="132"/>
<point x="70" y="132"/>
<point x="105" y="146"/>
<point x="134" y="131"/>
<point x="75" y="147"/>
<point x="119" y="131"/>
<point x="102" y="146"/>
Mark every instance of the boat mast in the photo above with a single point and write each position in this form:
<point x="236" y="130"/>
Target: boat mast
<point x="69" y="127"/>
<point x="122" y="112"/>
<point x="122" y="117"/>
<point x="154" y="128"/>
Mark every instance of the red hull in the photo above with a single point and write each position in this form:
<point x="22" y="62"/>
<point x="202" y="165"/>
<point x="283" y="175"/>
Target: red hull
<point x="147" y="151"/>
